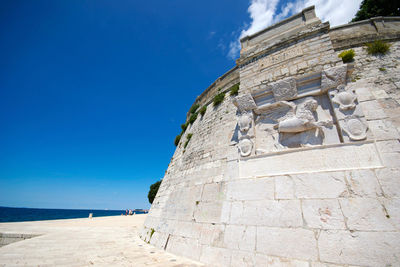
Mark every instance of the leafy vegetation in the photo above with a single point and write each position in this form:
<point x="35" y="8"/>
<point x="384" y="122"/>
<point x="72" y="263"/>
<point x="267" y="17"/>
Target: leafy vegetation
<point x="188" y="137"/>
<point x="184" y="126"/>
<point x="192" y="118"/>
<point x="203" y="110"/>
<point x="375" y="8"/>
<point x="347" y="55"/>
<point x="234" y="90"/>
<point x="378" y="47"/>
<point x="194" y="108"/>
<point x="382" y="69"/>
<point x="153" y="191"/>
<point x="218" y="99"/>
<point x="177" y="139"/>
<point x="151" y="232"/>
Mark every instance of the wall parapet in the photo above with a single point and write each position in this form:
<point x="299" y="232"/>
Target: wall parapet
<point x="361" y="32"/>
<point x="222" y="84"/>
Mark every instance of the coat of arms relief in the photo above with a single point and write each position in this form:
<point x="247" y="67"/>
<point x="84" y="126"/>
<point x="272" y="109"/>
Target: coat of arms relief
<point x="291" y="113"/>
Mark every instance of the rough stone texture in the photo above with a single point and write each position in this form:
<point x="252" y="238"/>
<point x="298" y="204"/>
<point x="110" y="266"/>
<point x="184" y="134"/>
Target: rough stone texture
<point x="244" y="102"/>
<point x="284" y="89"/>
<point x="333" y="77"/>
<point x="331" y="203"/>
<point x="286" y="242"/>
<point x="359" y="248"/>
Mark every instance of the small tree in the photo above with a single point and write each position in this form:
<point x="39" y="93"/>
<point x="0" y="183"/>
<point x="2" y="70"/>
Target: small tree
<point x="375" y="8"/>
<point x="153" y="191"/>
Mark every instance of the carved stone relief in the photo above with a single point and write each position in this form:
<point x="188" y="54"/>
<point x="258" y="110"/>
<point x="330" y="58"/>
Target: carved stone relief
<point x="284" y="89"/>
<point x="287" y="124"/>
<point x="326" y="115"/>
<point x="333" y="77"/>
<point x="355" y="128"/>
<point x="245" y="147"/>
<point x="345" y="99"/>
<point x="245" y="103"/>
<point x="349" y="114"/>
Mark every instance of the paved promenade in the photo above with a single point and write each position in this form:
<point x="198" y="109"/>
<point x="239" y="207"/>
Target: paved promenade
<point x="102" y="241"/>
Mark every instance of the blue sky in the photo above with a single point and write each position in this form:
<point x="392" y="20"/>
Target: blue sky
<point x="92" y="93"/>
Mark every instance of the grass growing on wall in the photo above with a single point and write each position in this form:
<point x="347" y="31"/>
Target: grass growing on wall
<point x="177" y="139"/>
<point x="203" y="110"/>
<point x="184" y="126"/>
<point x="188" y="137"/>
<point x="234" y="91"/>
<point x="218" y="99"/>
<point x="378" y="47"/>
<point x="193" y="118"/>
<point x="347" y="55"/>
<point x="194" y="108"/>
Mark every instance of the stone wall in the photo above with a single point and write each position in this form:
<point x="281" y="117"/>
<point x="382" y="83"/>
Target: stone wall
<point x="253" y="189"/>
<point x="361" y="32"/>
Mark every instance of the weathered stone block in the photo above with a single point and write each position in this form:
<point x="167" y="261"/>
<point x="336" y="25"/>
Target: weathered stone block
<point x="253" y="189"/>
<point x="320" y="185"/>
<point x="274" y="213"/>
<point x="333" y="77"/>
<point x="391" y="159"/>
<point x="212" y="234"/>
<point x="188" y="229"/>
<point x="284" y="187"/>
<point x="372" y="110"/>
<point x="389" y="178"/>
<point x="383" y="130"/>
<point x="208" y="212"/>
<point x="365" y="214"/>
<point x="240" y="237"/>
<point x="388" y="146"/>
<point x="213" y="192"/>
<point x="244" y="102"/>
<point x="216" y="256"/>
<point x="360" y="248"/>
<point x="271" y="261"/>
<point x="392" y="207"/>
<point x="287" y="242"/>
<point x="364" y="94"/>
<point x="243" y="259"/>
<point x="363" y="183"/>
<point x="323" y="214"/>
<point x="187" y="247"/>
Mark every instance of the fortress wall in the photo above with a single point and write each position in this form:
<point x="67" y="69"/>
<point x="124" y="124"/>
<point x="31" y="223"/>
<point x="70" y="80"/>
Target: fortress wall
<point x="222" y="84"/>
<point x="325" y="196"/>
<point x="361" y="32"/>
<point x="185" y="208"/>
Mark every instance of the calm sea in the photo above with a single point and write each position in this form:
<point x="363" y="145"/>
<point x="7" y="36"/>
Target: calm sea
<point x="26" y="214"/>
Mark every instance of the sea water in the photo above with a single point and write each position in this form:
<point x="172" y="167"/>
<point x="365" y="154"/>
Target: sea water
<point x="28" y="214"/>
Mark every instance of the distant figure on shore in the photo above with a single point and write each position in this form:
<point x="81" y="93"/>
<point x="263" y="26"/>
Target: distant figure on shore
<point x="126" y="212"/>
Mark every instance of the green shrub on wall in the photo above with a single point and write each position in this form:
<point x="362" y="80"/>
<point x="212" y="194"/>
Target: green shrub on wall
<point x="194" y="108"/>
<point x="347" y="55"/>
<point x="192" y="118"/>
<point x="177" y="139"/>
<point x="234" y="90"/>
<point x="184" y="126"/>
<point x="378" y="47"/>
<point x="203" y="110"/>
<point x="188" y="137"/>
<point x="218" y="99"/>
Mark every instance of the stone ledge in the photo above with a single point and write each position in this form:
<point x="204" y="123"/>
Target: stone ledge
<point x="361" y="155"/>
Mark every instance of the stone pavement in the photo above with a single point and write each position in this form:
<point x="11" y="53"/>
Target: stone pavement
<point x="101" y="241"/>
